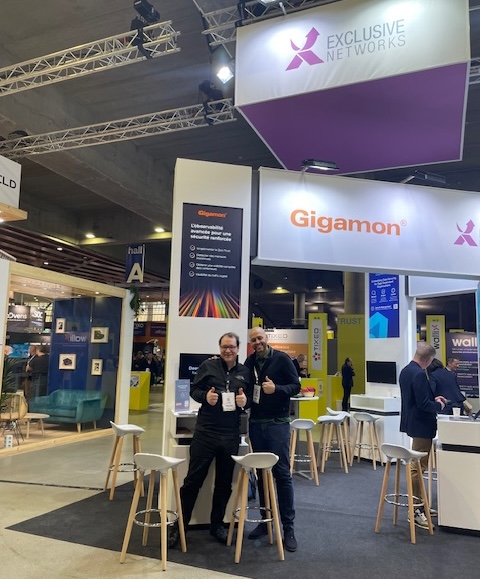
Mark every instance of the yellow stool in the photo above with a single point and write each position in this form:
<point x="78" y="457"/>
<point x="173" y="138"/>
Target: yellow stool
<point x="162" y="464"/>
<point x="255" y="460"/>
<point x="401" y="453"/>
<point x="115" y="466"/>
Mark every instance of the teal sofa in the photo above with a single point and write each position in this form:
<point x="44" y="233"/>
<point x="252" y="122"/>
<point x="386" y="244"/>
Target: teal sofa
<point x="73" y="406"/>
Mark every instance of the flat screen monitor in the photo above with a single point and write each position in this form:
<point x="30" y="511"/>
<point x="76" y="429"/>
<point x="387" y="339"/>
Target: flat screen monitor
<point x="382" y="372"/>
<point x="18" y="350"/>
<point x="189" y="364"/>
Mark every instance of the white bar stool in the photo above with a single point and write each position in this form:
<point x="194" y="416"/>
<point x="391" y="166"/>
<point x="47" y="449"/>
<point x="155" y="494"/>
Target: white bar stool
<point x="329" y="424"/>
<point x="305" y="425"/>
<point x="364" y="418"/>
<point x="346" y="427"/>
<point x="115" y="466"/>
<point x="401" y="453"/>
<point x="255" y="460"/>
<point x="162" y="464"/>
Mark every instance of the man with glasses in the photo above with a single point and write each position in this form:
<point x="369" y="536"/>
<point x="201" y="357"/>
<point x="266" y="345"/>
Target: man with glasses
<point x="221" y="386"/>
<point x="275" y="382"/>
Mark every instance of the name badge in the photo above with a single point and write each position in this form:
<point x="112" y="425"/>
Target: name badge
<point x="228" y="401"/>
<point x="256" y="393"/>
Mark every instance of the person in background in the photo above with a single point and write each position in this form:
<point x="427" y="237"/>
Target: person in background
<point x="418" y="416"/>
<point x="149" y="364"/>
<point x="275" y="382"/>
<point x="138" y="361"/>
<point x="38" y="369"/>
<point x="298" y="363"/>
<point x="347" y="382"/>
<point x="221" y="386"/>
<point x="443" y="382"/>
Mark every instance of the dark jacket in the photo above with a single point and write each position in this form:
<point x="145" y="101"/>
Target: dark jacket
<point x="419" y="409"/>
<point x="214" y="372"/>
<point x="444" y="383"/>
<point x="347" y="376"/>
<point x="280" y="369"/>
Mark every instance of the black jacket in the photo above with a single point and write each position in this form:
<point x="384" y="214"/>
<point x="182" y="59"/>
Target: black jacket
<point x="213" y="419"/>
<point x="280" y="369"/>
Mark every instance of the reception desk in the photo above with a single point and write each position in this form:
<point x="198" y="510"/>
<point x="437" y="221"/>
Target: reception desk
<point x="458" y="472"/>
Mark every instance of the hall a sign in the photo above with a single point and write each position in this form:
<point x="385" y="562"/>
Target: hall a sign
<point x="135" y="266"/>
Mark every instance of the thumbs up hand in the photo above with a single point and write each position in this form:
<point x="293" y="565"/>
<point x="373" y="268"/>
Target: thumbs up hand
<point x="268" y="386"/>
<point x="212" y="396"/>
<point x="240" y="398"/>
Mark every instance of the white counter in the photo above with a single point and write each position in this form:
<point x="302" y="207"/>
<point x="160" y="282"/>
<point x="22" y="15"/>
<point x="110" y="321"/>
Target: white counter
<point x="458" y="469"/>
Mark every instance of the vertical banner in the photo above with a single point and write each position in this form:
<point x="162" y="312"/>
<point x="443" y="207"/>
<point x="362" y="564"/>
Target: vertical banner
<point x="435" y="334"/>
<point x="384" y="320"/>
<point x="211" y="259"/>
<point x="464" y="347"/>
<point x="317" y="349"/>
<point x="135" y="265"/>
<point x="10" y="173"/>
<point x="351" y="344"/>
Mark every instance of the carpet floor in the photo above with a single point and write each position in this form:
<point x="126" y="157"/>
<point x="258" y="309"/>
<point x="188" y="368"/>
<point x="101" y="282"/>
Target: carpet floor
<point x="334" y="527"/>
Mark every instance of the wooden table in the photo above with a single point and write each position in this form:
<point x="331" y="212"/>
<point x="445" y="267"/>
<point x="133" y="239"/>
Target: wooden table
<point x="35" y="416"/>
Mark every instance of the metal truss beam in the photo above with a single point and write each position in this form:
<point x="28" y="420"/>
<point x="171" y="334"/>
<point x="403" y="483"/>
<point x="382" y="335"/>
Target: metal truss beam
<point x="126" y="48"/>
<point x="221" y="25"/>
<point x="182" y="119"/>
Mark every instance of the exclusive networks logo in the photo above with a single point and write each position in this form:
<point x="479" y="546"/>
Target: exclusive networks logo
<point x="305" y="53"/>
<point x="466" y="235"/>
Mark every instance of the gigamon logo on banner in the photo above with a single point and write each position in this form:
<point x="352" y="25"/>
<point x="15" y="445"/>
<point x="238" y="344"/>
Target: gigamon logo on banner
<point x="305" y="53"/>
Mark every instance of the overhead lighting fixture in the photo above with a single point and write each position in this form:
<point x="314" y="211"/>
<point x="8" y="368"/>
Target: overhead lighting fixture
<point x="146" y="11"/>
<point x="274" y="3"/>
<point x="90" y="235"/>
<point x="427" y="178"/>
<point x="59" y="248"/>
<point x="159" y="230"/>
<point x="318" y="165"/>
<point x="225" y="73"/>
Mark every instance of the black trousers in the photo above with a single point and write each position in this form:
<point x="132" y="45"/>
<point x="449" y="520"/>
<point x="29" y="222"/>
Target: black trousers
<point x="346" y="397"/>
<point x="204" y="448"/>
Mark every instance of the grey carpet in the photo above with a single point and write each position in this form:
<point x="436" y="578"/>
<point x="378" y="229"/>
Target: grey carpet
<point x="334" y="527"/>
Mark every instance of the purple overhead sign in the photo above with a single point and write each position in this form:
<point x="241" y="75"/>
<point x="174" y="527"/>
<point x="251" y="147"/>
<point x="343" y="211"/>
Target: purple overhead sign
<point x="367" y="84"/>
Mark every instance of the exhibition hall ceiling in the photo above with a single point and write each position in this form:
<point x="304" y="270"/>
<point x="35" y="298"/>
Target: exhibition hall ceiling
<point x="122" y="191"/>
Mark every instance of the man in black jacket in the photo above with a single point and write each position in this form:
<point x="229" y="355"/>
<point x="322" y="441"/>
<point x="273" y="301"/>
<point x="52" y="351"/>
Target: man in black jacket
<point x="419" y="414"/>
<point x="275" y="382"/>
<point x="221" y="386"/>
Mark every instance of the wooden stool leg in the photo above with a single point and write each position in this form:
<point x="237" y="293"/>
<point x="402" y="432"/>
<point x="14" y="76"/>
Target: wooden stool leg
<point x="360" y="442"/>
<point x="236" y="498"/>
<point x="181" y="526"/>
<point x="131" y="516"/>
<point x="163" y="518"/>
<point x="398" y="467"/>
<point x="411" y="514"/>
<point x="377" y="441"/>
<point x="136" y="449"/>
<point x="111" y="462"/>
<point x="276" y="522"/>
<point x="151" y="488"/>
<point x="241" y="518"/>
<point x="293" y="446"/>
<point x="341" y="444"/>
<point x="372" y="445"/>
<point x="425" y="500"/>
<point x="116" y="464"/>
<point x="346" y="436"/>
<point x="354" y="445"/>
<point x="268" y="503"/>
<point x="313" y="462"/>
<point x="383" y="492"/>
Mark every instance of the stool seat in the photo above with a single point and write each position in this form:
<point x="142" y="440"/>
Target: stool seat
<point x="346" y="427"/>
<point x="343" y="413"/>
<point x="124" y="429"/>
<point x="370" y="420"/>
<point x="115" y="466"/>
<point x="264" y="461"/>
<point x="329" y="423"/>
<point x="405" y="455"/>
<point x="162" y="464"/>
<point x="305" y="425"/>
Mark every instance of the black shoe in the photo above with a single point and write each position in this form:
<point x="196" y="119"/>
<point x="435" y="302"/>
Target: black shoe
<point x="220" y="534"/>
<point x="289" y="542"/>
<point x="259" y="531"/>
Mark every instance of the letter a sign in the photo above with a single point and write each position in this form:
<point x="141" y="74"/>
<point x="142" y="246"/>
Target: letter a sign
<point x="135" y="263"/>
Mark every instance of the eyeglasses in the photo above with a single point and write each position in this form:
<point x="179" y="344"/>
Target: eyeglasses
<point x="224" y="348"/>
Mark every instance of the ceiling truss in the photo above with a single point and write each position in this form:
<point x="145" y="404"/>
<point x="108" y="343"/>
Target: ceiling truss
<point x="181" y="119"/>
<point x="121" y="49"/>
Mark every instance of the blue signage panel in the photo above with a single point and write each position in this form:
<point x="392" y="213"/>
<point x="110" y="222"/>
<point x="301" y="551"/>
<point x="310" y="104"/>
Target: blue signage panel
<point x="384" y="313"/>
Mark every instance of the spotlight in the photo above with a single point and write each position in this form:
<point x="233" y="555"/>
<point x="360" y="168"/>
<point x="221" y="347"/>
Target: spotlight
<point x="318" y="165"/>
<point x="146" y="15"/>
<point x="146" y="11"/>
<point x="225" y="74"/>
<point x="426" y="178"/>
<point x="213" y="94"/>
